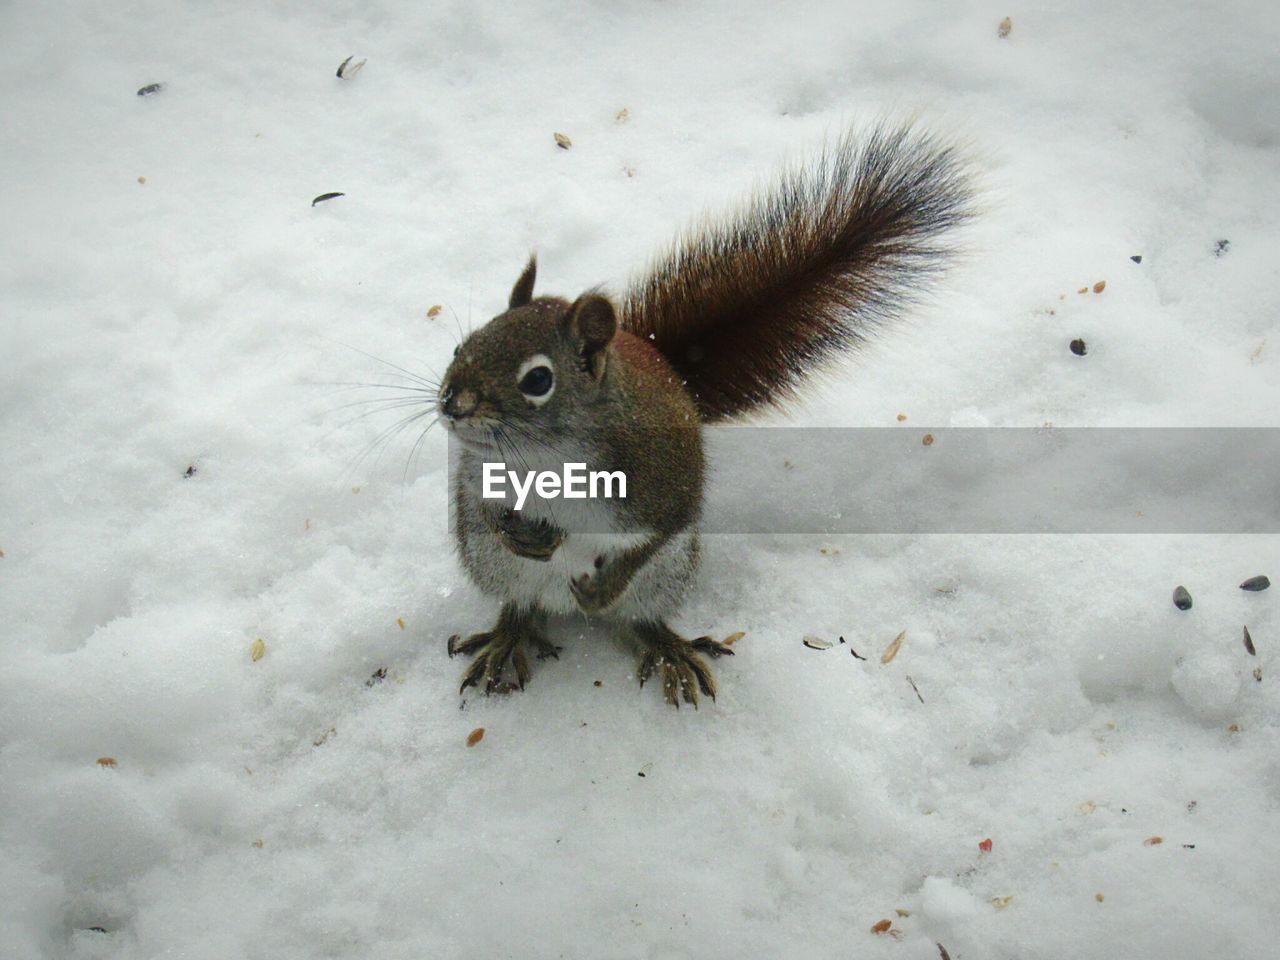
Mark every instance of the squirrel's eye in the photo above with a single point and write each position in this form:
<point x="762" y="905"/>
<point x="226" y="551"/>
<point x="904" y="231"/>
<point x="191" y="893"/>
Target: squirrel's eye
<point x="536" y="379"/>
<point x="537" y="382"/>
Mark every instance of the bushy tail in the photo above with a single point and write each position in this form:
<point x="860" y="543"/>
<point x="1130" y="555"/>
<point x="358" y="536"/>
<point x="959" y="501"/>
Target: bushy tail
<point x="747" y="308"/>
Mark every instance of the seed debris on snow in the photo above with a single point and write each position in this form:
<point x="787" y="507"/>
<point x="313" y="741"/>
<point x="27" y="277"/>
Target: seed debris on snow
<point x="1248" y="643"/>
<point x="107" y="762"/>
<point x="347" y="69"/>
<point x="149" y="89"/>
<point x="882" y="926"/>
<point x="1182" y="598"/>
<point x="1001" y="902"/>
<point x="475" y="736"/>
<point x="257" y="650"/>
<point x="1256" y="584"/>
<point x="891" y="651"/>
<point x="562" y="141"/>
<point x="327" y="196"/>
<point x="915" y="688"/>
<point x="816" y="643"/>
<point x="1004" y="28"/>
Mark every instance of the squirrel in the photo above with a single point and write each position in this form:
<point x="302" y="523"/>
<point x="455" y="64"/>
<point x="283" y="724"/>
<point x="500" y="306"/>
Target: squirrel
<point x="734" y="317"/>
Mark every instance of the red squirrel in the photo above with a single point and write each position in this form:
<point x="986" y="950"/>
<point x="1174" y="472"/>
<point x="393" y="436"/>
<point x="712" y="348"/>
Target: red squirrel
<point x="735" y="316"/>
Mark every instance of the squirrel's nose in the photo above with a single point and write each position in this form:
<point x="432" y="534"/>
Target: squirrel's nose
<point x="457" y="404"/>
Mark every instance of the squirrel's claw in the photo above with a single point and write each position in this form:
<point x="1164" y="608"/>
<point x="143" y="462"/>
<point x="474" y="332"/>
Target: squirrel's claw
<point x="546" y="649"/>
<point x="678" y="678"/>
<point x="473" y="643"/>
<point x="648" y="663"/>
<point x="713" y="648"/>
<point x="495" y="649"/>
<point x="684" y="672"/>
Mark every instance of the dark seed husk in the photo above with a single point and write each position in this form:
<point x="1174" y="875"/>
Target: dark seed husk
<point x="326" y="196"/>
<point x="347" y="69"/>
<point x="1136" y="258"/>
<point x="1181" y="598"/>
<point x="1248" y="643"/>
<point x="1079" y="347"/>
<point x="1254" y="584"/>
<point x="149" y="89"/>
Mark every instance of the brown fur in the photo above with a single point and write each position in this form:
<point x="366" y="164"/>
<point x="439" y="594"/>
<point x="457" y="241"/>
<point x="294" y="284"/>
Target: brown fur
<point x="747" y="309"/>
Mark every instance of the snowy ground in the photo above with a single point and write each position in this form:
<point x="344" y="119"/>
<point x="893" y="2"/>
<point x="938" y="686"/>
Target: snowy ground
<point x="281" y="808"/>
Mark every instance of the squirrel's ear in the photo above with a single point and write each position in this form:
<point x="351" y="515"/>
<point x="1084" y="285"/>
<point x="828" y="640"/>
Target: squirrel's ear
<point x="522" y="292"/>
<point x="592" y="323"/>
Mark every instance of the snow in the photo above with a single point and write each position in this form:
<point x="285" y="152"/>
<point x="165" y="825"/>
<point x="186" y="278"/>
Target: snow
<point x="283" y="808"/>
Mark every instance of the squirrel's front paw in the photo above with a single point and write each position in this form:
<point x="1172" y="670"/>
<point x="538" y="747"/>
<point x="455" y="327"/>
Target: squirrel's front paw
<point x="599" y="590"/>
<point x="587" y="591"/>
<point x="531" y="539"/>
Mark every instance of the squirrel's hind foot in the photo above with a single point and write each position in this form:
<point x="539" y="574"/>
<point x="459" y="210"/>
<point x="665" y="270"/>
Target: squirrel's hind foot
<point x="684" y="672"/>
<point x="495" y="649"/>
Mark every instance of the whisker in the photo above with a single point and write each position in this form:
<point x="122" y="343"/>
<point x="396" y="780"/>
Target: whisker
<point x="383" y="439"/>
<point x="413" y="451"/>
<point x="408" y="373"/>
<point x="345" y="385"/>
<point x="394" y="405"/>
<point x="390" y="402"/>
